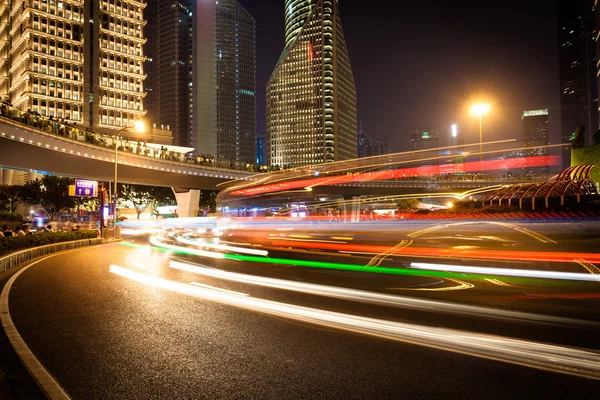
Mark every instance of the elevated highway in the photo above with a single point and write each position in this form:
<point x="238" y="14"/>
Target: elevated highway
<point x="26" y="148"/>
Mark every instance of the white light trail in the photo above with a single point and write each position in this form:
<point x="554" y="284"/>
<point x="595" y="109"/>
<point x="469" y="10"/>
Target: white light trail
<point x="211" y="254"/>
<point x="528" y="273"/>
<point x="222" y="247"/>
<point x="548" y="357"/>
<point x="374" y="298"/>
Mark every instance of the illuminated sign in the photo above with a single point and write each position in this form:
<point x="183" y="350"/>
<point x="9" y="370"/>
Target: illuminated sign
<point x="535" y="113"/>
<point x="454" y="130"/>
<point x="86" y="188"/>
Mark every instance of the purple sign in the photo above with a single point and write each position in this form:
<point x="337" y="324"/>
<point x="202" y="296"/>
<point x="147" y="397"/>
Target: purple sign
<point x="86" y="188"/>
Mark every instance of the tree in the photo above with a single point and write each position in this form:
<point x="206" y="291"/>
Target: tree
<point x="160" y="197"/>
<point x="51" y="192"/>
<point x="136" y="195"/>
<point x="11" y="197"/>
<point x="408" y="204"/>
<point x="55" y="195"/>
<point x="208" y="200"/>
<point x="32" y="192"/>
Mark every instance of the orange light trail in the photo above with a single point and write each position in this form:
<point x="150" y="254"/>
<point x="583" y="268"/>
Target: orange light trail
<point x="512" y="255"/>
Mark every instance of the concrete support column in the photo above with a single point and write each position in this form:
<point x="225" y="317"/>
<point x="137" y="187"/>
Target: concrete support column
<point x="187" y="203"/>
<point x="7" y="177"/>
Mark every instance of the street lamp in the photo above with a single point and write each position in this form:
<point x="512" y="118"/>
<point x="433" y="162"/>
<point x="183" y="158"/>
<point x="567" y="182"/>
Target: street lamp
<point x="479" y="110"/>
<point x="138" y="127"/>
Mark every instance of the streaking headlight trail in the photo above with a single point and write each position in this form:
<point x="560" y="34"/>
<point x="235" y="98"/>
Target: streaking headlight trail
<point x="372" y="297"/>
<point x="572" y="276"/>
<point x="553" y="358"/>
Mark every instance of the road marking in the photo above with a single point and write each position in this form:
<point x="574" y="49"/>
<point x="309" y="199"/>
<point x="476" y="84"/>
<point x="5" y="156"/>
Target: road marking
<point x="525" y="231"/>
<point x="591" y="268"/>
<point x="496" y="282"/>
<point x="43" y="378"/>
<point x="378" y="259"/>
<point x="461" y="286"/>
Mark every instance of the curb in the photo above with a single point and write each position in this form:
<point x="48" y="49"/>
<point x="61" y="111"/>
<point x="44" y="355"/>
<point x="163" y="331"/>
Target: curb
<point x="17" y="258"/>
<point x="38" y="373"/>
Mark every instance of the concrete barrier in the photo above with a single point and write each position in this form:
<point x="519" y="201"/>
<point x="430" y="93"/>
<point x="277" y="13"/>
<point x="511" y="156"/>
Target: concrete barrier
<point x="13" y="260"/>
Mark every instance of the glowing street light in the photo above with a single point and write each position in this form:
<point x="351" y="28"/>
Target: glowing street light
<point x="138" y="126"/>
<point x="480" y="110"/>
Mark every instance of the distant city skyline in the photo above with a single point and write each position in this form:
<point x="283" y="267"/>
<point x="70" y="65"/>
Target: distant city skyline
<point x="433" y="60"/>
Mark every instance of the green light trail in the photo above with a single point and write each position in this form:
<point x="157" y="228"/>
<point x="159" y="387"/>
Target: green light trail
<point x="364" y="269"/>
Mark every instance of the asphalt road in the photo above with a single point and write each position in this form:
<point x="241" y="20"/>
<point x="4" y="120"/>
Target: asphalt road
<point x="104" y="335"/>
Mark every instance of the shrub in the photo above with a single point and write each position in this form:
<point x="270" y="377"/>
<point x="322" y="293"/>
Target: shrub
<point x="8" y="216"/>
<point x="15" y="243"/>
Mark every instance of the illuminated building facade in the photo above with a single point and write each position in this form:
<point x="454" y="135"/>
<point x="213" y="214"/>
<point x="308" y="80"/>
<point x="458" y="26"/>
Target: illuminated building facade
<point x="577" y="34"/>
<point x="311" y="95"/>
<point x="535" y="130"/>
<point x="168" y="31"/>
<point x="261" y="150"/>
<point x="236" y="82"/>
<point x="424" y="139"/>
<point x="75" y="59"/>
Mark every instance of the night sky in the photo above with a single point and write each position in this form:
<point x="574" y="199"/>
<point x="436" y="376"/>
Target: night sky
<point x="420" y="64"/>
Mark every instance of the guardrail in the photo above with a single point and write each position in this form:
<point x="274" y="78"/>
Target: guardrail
<point x="15" y="259"/>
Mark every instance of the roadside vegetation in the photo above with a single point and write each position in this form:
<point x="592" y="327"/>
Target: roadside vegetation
<point x="15" y="243"/>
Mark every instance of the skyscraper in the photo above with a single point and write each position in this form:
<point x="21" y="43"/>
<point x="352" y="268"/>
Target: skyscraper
<point x="383" y="146"/>
<point x="236" y="83"/>
<point x="424" y="139"/>
<point x="311" y="96"/>
<point x="363" y="144"/>
<point x="170" y="75"/>
<point x="261" y="150"/>
<point x="204" y="76"/>
<point x="535" y="131"/>
<point x="44" y="47"/>
<point x="578" y="70"/>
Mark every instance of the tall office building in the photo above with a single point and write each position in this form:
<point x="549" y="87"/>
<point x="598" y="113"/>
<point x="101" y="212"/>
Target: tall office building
<point x="236" y="82"/>
<point x="204" y="76"/>
<point x="364" y="145"/>
<point x="77" y="60"/>
<point x="424" y="139"/>
<point x="261" y="150"/>
<point x="535" y="131"/>
<point x="170" y="75"/>
<point x="150" y="15"/>
<point x="311" y="96"/>
<point x="577" y="36"/>
<point x="383" y="146"/>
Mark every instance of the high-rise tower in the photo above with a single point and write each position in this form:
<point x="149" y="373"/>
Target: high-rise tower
<point x="236" y="82"/>
<point x="311" y="96"/>
<point x="75" y="59"/>
<point x="577" y="70"/>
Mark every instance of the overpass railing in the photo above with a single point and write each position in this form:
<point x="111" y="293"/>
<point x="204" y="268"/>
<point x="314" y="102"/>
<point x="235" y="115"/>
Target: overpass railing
<point x="61" y="128"/>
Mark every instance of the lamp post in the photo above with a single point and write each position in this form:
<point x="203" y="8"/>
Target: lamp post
<point x="138" y="127"/>
<point x="479" y="110"/>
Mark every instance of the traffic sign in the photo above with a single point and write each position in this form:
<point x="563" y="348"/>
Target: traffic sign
<point x="86" y="188"/>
